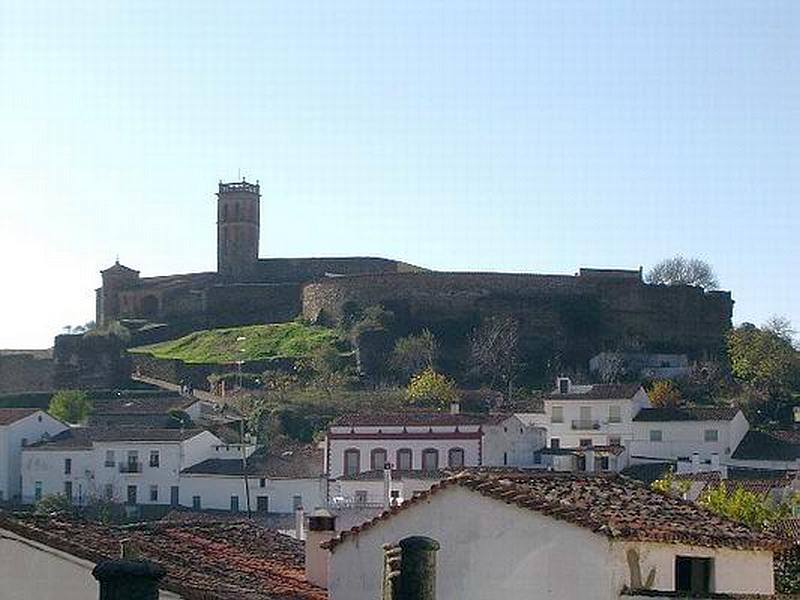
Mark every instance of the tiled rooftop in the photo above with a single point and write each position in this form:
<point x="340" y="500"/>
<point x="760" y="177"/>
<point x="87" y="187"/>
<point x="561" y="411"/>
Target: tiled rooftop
<point x="290" y="462"/>
<point x="412" y="418"/>
<point x="694" y="413"/>
<point x="772" y="445"/>
<point x="82" y="437"/>
<point x="12" y="415"/>
<point x="600" y="391"/>
<point x="609" y="505"/>
<point x="212" y="561"/>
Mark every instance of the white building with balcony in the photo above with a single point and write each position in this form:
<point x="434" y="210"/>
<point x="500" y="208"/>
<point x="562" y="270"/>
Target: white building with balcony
<point x="20" y="427"/>
<point x="122" y="465"/>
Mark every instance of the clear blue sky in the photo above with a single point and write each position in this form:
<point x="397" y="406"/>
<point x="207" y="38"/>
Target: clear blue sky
<point x="467" y="135"/>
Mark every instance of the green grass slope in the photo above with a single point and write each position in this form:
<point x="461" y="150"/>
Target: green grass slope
<point x="260" y="342"/>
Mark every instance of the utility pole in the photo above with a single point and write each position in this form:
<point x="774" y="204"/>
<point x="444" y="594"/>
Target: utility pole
<point x="244" y="468"/>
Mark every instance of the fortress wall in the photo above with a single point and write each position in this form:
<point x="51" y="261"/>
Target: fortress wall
<point x="243" y="304"/>
<point x="300" y="270"/>
<point x="25" y="373"/>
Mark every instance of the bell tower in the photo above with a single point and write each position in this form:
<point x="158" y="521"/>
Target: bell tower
<point x="238" y="225"/>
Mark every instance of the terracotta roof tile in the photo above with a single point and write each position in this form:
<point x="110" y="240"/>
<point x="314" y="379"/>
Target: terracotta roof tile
<point x="609" y="505"/>
<point x="215" y="561"/>
<point x="291" y="462"/>
<point x="12" y="415"/>
<point x="413" y="418"/>
<point x="600" y="391"/>
<point x="694" y="413"/>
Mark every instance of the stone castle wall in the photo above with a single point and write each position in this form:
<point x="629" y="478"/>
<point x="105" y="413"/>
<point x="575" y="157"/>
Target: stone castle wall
<point x="246" y="304"/>
<point x="25" y="372"/>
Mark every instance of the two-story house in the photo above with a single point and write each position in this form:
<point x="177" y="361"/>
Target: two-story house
<point x="123" y="465"/>
<point x="20" y="427"/>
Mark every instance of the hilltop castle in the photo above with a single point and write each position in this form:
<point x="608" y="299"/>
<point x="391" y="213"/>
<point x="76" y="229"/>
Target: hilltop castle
<point x="572" y="315"/>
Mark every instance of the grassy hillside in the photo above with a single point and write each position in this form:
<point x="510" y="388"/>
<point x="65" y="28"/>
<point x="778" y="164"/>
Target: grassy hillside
<point x="260" y="341"/>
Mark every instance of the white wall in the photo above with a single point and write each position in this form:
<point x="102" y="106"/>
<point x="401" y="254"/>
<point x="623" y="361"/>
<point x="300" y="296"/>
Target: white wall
<point x="493" y="550"/>
<point x="405" y="488"/>
<point x="511" y="443"/>
<point x="215" y="492"/>
<point x="32" y="428"/>
<point x="683" y="438"/>
<point x="31" y="570"/>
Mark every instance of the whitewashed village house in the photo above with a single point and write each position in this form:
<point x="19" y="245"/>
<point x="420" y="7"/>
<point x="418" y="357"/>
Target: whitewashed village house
<point x="541" y="536"/>
<point x="19" y="428"/>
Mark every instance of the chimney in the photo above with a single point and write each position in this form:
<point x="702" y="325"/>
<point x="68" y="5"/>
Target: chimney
<point x="125" y="579"/>
<point x="387" y="486"/>
<point x="695" y="462"/>
<point x="455" y="407"/>
<point x="299" y="521"/>
<point x="321" y="528"/>
<point x="715" y="461"/>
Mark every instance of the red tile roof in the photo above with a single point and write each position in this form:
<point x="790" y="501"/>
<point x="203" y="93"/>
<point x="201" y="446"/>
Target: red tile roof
<point x="600" y="391"/>
<point x="213" y="561"/>
<point x="694" y="413"/>
<point x="413" y="418"/>
<point x="609" y="505"/>
<point x="12" y="415"/>
<point x="82" y="437"/>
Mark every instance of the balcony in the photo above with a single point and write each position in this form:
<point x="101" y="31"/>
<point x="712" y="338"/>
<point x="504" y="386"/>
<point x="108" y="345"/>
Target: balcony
<point x="585" y="425"/>
<point x="130" y="467"/>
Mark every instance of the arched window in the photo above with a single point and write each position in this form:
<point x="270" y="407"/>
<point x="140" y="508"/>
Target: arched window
<point x="430" y="459"/>
<point x="352" y="461"/>
<point x="455" y="458"/>
<point x="404" y="459"/>
<point x="378" y="459"/>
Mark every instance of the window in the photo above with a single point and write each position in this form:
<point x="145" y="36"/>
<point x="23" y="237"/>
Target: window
<point x="352" y="462"/>
<point x="655" y="435"/>
<point x="110" y="462"/>
<point x="693" y="574"/>
<point x="132" y="495"/>
<point x="585" y="443"/>
<point x="563" y="386"/>
<point x="262" y="504"/>
<point x="455" y="457"/>
<point x="153" y="493"/>
<point x="174" y="495"/>
<point x="505" y="458"/>
<point x="711" y="435"/>
<point x="23" y="442"/>
<point x="555" y="443"/>
<point x="196" y="503"/>
<point x="404" y="459"/>
<point x="37" y="491"/>
<point x="108" y="492"/>
<point x="155" y="459"/>
<point x="601" y="463"/>
<point x="297" y="502"/>
<point x="430" y="459"/>
<point x="614" y="440"/>
<point x="614" y="414"/>
<point x="133" y="461"/>
<point x="234" y="504"/>
<point x="557" y="415"/>
<point x="262" y="483"/>
<point x="360" y="497"/>
<point x="377" y="459"/>
<point x="67" y="466"/>
<point x="68" y="490"/>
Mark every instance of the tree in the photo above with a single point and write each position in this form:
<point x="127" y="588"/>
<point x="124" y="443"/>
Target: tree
<point x="429" y="388"/>
<point x="781" y="327"/>
<point x="764" y="360"/>
<point x="664" y="394"/>
<point x="681" y="271"/>
<point x="743" y="506"/>
<point x="71" y="406"/>
<point x="53" y="503"/>
<point x="328" y="370"/>
<point x="494" y="352"/>
<point x="414" y="353"/>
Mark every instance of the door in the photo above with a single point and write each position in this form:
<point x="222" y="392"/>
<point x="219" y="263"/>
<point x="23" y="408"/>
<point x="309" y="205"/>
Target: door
<point x="131" y="495"/>
<point x="262" y="504"/>
<point x="174" y="495"/>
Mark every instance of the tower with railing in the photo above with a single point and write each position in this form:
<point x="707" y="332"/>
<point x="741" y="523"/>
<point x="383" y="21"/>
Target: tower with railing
<point x="238" y="227"/>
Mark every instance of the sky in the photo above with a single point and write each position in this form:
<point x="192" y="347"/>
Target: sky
<point x="531" y="136"/>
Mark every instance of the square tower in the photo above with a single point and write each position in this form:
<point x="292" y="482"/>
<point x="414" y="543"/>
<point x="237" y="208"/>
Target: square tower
<point x="238" y="228"/>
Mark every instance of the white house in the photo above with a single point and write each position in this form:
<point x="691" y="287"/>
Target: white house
<point x="368" y="489"/>
<point x="599" y="414"/>
<point x="20" y="427"/>
<point x="427" y="441"/>
<point x="130" y="465"/>
<point x="541" y="536"/>
<point x="278" y="481"/>
<point x="710" y="433"/>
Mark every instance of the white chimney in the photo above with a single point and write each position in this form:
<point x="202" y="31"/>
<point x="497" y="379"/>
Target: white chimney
<point x="455" y="407"/>
<point x="321" y="528"/>
<point x="387" y="486"/>
<point x="695" y="462"/>
<point x="299" y="521"/>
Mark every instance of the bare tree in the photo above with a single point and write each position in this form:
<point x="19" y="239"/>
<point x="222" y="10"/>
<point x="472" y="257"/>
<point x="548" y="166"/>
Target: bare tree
<point x="781" y="327"/>
<point x="681" y="271"/>
<point x="495" y="352"/>
<point x="415" y="353"/>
